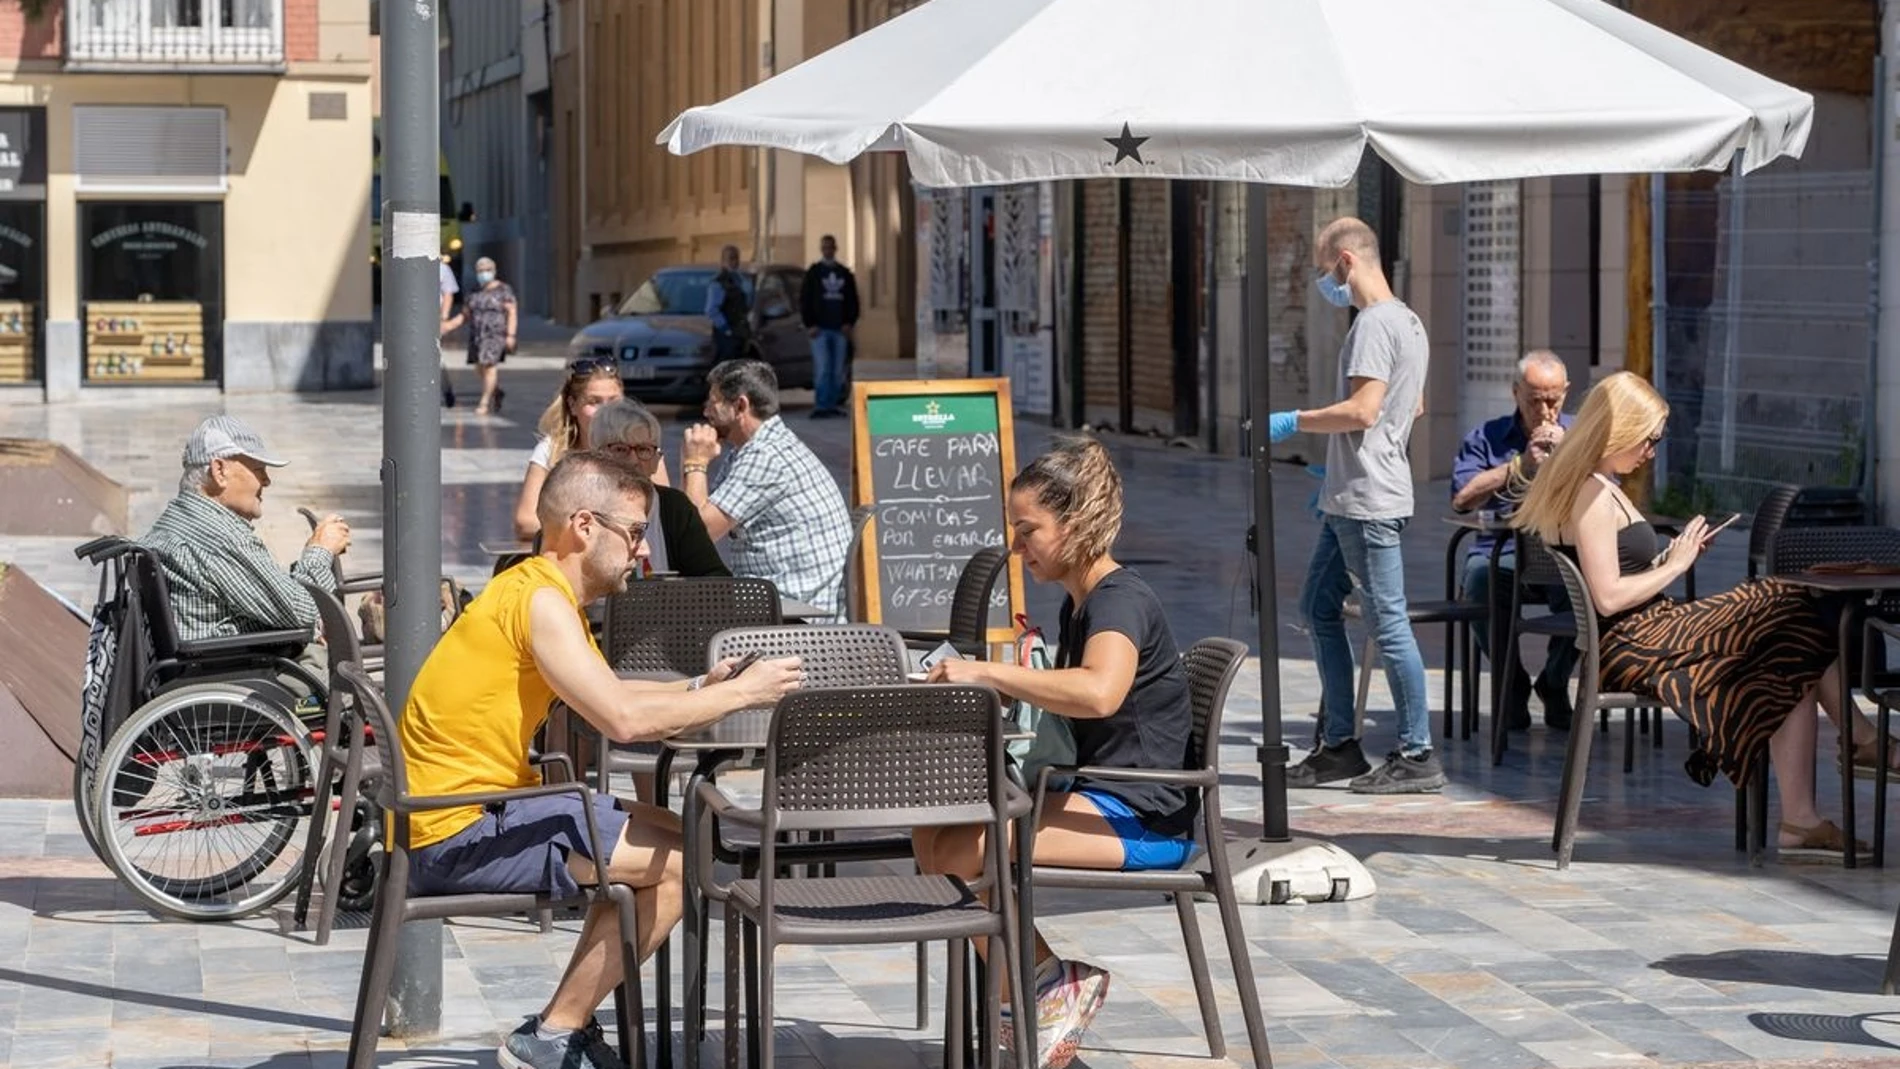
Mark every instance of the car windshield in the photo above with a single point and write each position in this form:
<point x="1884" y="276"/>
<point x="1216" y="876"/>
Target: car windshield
<point x="676" y="293"/>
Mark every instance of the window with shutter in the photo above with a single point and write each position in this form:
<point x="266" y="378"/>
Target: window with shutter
<point x="149" y="149"/>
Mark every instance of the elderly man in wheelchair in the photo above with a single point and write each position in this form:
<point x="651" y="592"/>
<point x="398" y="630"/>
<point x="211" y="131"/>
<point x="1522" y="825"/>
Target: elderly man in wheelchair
<point x="197" y="756"/>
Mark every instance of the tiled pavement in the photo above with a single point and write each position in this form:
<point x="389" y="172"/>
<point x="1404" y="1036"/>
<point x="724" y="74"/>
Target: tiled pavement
<point x="1660" y="945"/>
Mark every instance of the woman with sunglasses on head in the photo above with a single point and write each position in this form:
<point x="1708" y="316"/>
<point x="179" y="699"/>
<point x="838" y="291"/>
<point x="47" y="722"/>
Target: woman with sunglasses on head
<point x="1745" y="667"/>
<point x="564" y="428"/>
<point x="677" y="541"/>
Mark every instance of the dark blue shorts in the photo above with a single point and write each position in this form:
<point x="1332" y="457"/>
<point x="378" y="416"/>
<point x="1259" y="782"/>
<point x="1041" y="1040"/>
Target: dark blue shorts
<point x="1141" y="849"/>
<point x="517" y="848"/>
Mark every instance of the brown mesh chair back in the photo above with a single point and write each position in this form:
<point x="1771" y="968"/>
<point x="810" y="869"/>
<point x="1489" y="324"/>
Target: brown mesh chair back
<point x="1211" y="665"/>
<point x="883" y="757"/>
<point x="1797" y="549"/>
<point x="833" y="655"/>
<point x="970" y="604"/>
<point x="1535" y="564"/>
<point x="665" y="625"/>
<point x="1769" y="517"/>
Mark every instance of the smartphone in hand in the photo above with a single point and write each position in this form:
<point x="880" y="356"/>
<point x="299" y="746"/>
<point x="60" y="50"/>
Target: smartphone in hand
<point x="1720" y="527"/>
<point x="745" y="662"/>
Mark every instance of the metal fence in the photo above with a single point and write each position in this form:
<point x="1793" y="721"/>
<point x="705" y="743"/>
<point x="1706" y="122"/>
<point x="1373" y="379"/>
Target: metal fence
<point x="1768" y="348"/>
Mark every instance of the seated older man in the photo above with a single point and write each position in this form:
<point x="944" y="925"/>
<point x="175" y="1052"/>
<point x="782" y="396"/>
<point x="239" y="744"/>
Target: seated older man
<point x="677" y="542"/>
<point x="484" y="692"/>
<point x="221" y="577"/>
<point x="1494" y="466"/>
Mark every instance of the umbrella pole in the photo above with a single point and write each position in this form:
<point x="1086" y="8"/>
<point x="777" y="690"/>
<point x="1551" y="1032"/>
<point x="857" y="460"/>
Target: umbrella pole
<point x="1273" y="751"/>
<point x="1275" y="869"/>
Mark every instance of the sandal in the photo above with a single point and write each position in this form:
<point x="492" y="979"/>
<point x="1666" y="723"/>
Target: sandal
<point x="1821" y="840"/>
<point x="1867" y="759"/>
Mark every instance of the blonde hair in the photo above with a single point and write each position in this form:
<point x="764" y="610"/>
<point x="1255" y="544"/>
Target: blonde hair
<point x="557" y="423"/>
<point x="1618" y="413"/>
<point x="1077" y="482"/>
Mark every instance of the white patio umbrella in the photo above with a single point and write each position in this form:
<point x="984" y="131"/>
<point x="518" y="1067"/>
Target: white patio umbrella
<point x="1290" y="92"/>
<point x="981" y="92"/>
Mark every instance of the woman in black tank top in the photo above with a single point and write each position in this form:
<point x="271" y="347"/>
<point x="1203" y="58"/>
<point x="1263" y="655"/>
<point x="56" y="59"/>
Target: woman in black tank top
<point x="1746" y="667"/>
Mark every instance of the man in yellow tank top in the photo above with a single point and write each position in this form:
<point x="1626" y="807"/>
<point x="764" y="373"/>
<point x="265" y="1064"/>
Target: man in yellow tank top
<point x="484" y="692"/>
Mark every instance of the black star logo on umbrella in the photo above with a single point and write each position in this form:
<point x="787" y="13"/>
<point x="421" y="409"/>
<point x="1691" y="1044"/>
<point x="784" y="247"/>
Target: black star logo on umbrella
<point x="1127" y="146"/>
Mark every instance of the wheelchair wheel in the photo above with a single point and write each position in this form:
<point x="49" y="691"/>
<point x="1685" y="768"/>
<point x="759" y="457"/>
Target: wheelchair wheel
<point x="200" y="798"/>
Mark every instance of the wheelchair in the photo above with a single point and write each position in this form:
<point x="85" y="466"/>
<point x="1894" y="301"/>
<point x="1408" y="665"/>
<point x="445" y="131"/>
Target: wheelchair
<point x="195" y="775"/>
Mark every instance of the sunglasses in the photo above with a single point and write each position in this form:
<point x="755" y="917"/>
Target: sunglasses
<point x="587" y="365"/>
<point x="634" y="533"/>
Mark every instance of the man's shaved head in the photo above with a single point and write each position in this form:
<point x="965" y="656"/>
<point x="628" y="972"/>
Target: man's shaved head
<point x="1346" y="234"/>
<point x="591" y="480"/>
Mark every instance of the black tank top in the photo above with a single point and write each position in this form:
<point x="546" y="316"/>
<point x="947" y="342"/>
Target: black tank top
<point x="1636" y="551"/>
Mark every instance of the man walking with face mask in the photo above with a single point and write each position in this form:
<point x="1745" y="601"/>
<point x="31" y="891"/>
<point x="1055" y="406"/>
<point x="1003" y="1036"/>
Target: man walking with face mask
<point x="1365" y="504"/>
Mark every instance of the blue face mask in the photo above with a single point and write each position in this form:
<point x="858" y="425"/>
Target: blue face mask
<point x="484" y="277"/>
<point x="1335" y="291"/>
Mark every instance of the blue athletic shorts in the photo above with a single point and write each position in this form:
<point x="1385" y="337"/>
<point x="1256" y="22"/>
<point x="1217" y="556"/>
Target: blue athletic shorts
<point x="1141" y="849"/>
<point x="517" y="848"/>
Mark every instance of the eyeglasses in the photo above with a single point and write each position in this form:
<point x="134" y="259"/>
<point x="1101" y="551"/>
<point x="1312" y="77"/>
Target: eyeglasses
<point x="641" y="450"/>
<point x="634" y="533"/>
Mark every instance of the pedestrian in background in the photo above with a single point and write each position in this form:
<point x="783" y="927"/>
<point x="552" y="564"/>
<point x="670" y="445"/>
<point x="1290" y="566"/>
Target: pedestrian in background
<point x="491" y="318"/>
<point x="1365" y="503"/>
<point x="829" y="304"/>
<point x="729" y="307"/>
<point x="449" y="288"/>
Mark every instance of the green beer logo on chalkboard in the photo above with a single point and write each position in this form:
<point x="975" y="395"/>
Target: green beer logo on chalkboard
<point x="933" y="415"/>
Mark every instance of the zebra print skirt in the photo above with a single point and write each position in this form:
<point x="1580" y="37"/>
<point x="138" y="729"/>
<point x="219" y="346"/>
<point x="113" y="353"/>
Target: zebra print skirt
<point x="1733" y="665"/>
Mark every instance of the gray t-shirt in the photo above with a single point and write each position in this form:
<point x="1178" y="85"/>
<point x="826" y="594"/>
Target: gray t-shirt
<point x="1369" y="472"/>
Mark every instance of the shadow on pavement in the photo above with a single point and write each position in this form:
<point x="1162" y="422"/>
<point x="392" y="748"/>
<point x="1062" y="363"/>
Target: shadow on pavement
<point x="336" y="1059"/>
<point x="1826" y="1027"/>
<point x="1851" y="974"/>
<point x="190" y="1004"/>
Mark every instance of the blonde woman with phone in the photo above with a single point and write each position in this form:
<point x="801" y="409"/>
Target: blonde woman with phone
<point x="1745" y="667"/>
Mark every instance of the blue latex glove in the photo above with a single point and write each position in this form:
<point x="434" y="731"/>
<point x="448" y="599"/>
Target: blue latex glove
<point x="1282" y="425"/>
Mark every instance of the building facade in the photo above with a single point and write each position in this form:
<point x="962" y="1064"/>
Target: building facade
<point x="184" y="196"/>
<point x="624" y="207"/>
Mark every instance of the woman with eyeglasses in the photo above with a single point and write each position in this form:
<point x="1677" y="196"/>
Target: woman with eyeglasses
<point x="677" y="542"/>
<point x="564" y="429"/>
<point x="1745" y="667"/>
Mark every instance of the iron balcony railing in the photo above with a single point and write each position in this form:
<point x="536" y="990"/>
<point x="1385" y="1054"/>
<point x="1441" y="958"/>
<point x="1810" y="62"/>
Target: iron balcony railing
<point x="175" y="34"/>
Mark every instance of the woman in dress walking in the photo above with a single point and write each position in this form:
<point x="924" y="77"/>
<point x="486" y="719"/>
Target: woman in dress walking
<point x="1746" y="667"/>
<point x="490" y="314"/>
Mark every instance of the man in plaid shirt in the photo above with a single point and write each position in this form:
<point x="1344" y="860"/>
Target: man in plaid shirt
<point x="777" y="503"/>
<point x="220" y="576"/>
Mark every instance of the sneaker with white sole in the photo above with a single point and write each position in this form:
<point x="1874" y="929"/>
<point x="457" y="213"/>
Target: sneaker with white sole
<point x="583" y="1049"/>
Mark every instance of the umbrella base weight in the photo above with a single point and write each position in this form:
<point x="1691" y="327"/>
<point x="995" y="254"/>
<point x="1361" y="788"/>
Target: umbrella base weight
<point x="1295" y="873"/>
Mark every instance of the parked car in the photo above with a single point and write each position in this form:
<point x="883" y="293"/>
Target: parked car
<point x="662" y="340"/>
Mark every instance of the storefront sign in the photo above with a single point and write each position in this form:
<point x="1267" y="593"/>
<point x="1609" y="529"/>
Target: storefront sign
<point x="23" y="153"/>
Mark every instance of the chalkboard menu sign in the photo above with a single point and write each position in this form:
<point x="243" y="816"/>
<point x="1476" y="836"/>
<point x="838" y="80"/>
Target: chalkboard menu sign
<point x="934" y="460"/>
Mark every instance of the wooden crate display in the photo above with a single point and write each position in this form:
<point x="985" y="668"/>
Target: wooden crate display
<point x="16" y="341"/>
<point x="145" y="340"/>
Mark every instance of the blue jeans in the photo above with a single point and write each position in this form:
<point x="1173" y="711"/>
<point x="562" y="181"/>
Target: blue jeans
<point x="1560" y="661"/>
<point x="1367" y="551"/>
<point x="827" y="360"/>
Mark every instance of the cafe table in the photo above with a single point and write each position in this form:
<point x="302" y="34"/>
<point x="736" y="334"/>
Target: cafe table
<point x="1867" y="586"/>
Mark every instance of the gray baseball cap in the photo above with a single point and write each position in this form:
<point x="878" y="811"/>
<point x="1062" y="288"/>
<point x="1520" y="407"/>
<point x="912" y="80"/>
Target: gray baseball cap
<point x="226" y="436"/>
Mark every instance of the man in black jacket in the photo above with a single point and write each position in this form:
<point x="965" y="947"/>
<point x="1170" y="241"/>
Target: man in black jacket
<point x="830" y="307"/>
